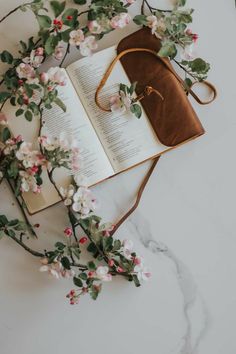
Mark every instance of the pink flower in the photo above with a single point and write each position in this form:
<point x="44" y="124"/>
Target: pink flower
<point x="68" y="231"/>
<point x="111" y="262"/>
<point x="83" y="240"/>
<point x="44" y="78"/>
<point x="3" y="118"/>
<point x="137" y="260"/>
<point x="120" y="270"/>
<point x="74" y="298"/>
<point x="88" y="46"/>
<point x="76" y="37"/>
<point x="121" y="20"/>
<point x="94" y="27"/>
<point x="39" y="51"/>
<point x="128" y="2"/>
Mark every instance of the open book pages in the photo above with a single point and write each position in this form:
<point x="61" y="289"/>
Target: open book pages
<point x="109" y="142"/>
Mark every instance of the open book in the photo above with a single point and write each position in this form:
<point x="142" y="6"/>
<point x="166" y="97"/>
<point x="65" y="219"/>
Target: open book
<point x="110" y="142"/>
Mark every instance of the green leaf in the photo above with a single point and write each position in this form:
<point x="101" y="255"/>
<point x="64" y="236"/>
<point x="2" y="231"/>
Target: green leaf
<point x="57" y="7"/>
<point x="11" y="233"/>
<point x="140" y="20"/>
<point x="70" y="12"/>
<point x="19" y="112"/>
<point x="60" y="245"/>
<point x="78" y="282"/>
<point x="6" y="134"/>
<point x="65" y="35"/>
<point x="51" y="44"/>
<point x="29" y="116"/>
<point x="59" y="102"/>
<point x="168" y="49"/>
<point x="83" y="276"/>
<point x="3" y="220"/>
<point x="13" y="222"/>
<point x="92" y="248"/>
<point x="136" y="281"/>
<point x="136" y="110"/>
<point x="6" y="57"/>
<point x="4" y="96"/>
<point x="65" y="262"/>
<point x="13" y="101"/>
<point x="80" y="2"/>
<point x="91" y="265"/>
<point x="44" y="21"/>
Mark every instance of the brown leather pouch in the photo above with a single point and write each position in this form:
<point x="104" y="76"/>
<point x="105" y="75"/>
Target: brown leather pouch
<point x="173" y="118"/>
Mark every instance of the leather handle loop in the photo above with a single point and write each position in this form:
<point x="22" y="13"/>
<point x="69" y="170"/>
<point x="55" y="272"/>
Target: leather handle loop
<point x="165" y="63"/>
<point x="210" y="86"/>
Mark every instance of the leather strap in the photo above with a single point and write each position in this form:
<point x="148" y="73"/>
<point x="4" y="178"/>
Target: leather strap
<point x="139" y="195"/>
<point x="166" y="64"/>
<point x="148" y="90"/>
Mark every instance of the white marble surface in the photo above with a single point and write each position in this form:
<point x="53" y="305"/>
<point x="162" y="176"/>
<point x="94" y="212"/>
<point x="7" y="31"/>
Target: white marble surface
<point x="184" y="227"/>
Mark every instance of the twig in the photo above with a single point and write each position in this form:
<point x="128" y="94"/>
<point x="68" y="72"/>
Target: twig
<point x="28" y="249"/>
<point x="13" y="11"/>
<point x="23" y="211"/>
<point x="67" y="52"/>
<point x="151" y="8"/>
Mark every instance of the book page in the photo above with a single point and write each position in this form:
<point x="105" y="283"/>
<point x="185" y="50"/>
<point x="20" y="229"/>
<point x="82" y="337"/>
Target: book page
<point x="75" y="122"/>
<point x="126" y="139"/>
<point x="95" y="163"/>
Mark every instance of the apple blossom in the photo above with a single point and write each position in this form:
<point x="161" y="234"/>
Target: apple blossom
<point x="121" y="20"/>
<point x="57" y="76"/>
<point x="102" y="273"/>
<point x="67" y="194"/>
<point x="59" y="52"/>
<point x="88" y="46"/>
<point x="142" y="272"/>
<point x="25" y="71"/>
<point x="76" y="37"/>
<point x="36" y="57"/>
<point x="83" y="201"/>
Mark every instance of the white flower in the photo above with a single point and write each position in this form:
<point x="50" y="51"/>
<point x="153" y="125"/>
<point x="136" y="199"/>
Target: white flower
<point x="95" y="27"/>
<point x="28" y="183"/>
<point x="121" y="20"/>
<point x="49" y="143"/>
<point x="102" y="273"/>
<point x="67" y="194"/>
<point x="28" y="156"/>
<point x="81" y="181"/>
<point x="88" y="46"/>
<point x="142" y="272"/>
<point x="35" y="58"/>
<point x="54" y="269"/>
<point x="76" y="37"/>
<point x="156" y="24"/>
<point x="120" y="102"/>
<point x="59" y="52"/>
<point x="25" y="71"/>
<point x="57" y="76"/>
<point x="128" y="246"/>
<point x="67" y="273"/>
<point x="188" y="53"/>
<point x="83" y="201"/>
